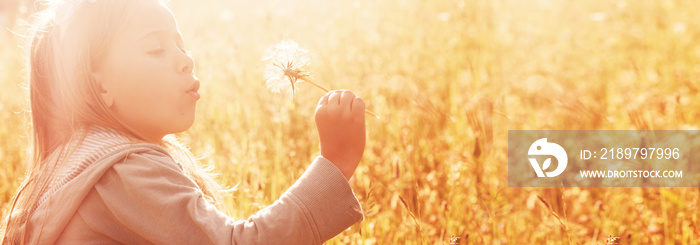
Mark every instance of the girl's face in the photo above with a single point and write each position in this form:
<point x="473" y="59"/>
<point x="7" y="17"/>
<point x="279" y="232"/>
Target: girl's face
<point x="146" y="77"/>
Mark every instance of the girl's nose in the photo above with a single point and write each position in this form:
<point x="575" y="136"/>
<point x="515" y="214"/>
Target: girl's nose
<point x="186" y="64"/>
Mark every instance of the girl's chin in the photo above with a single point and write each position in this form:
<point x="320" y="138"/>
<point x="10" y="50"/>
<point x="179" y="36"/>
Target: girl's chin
<point x="181" y="123"/>
<point x="187" y="124"/>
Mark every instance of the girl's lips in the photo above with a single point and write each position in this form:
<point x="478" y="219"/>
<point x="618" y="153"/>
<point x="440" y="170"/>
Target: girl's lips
<point x="194" y="94"/>
<point x="193" y="90"/>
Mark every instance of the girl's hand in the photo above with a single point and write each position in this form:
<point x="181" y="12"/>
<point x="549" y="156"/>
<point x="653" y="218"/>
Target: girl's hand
<point x="340" y="119"/>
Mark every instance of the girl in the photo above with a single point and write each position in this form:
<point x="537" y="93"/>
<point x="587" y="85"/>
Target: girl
<point x="109" y="79"/>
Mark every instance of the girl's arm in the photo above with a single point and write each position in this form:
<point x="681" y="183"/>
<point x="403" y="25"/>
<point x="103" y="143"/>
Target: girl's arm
<point x="148" y="199"/>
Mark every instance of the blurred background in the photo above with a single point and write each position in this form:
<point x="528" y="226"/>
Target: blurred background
<point x="449" y="79"/>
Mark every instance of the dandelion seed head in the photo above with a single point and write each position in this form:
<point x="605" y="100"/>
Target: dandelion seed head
<point x="287" y="63"/>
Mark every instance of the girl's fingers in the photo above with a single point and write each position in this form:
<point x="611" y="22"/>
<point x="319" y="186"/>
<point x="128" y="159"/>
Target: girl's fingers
<point x="324" y="99"/>
<point x="358" y="105"/>
<point x="346" y="98"/>
<point x="334" y="98"/>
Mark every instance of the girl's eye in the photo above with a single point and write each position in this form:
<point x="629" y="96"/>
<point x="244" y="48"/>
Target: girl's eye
<point x="157" y="51"/>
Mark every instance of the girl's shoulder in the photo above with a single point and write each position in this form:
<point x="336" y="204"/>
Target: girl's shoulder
<point x="93" y="143"/>
<point x="92" y="148"/>
<point x="99" y="143"/>
<point x="78" y="168"/>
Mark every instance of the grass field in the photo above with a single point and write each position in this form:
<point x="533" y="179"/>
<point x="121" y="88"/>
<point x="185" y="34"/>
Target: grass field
<point x="449" y="79"/>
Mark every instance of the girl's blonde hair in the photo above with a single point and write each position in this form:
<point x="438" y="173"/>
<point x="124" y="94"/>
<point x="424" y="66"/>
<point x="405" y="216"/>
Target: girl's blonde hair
<point x="68" y="40"/>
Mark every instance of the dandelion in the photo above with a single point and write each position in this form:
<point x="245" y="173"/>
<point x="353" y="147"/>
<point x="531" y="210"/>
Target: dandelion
<point x="287" y="64"/>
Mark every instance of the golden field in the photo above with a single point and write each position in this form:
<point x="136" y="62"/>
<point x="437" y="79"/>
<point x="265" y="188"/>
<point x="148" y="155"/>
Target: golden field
<point x="449" y="79"/>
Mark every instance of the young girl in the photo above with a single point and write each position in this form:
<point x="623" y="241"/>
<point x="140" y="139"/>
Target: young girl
<point x="109" y="79"/>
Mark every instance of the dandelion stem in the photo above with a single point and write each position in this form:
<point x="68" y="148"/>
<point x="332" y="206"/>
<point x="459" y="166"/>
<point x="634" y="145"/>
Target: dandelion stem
<point x="307" y="79"/>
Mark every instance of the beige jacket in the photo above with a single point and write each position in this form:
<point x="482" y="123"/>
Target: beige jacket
<point x="137" y="194"/>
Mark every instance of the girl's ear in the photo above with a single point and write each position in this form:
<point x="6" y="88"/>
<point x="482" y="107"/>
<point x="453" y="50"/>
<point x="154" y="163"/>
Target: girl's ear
<point x="104" y="92"/>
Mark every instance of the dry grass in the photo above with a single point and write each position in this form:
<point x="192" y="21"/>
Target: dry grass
<point x="449" y="79"/>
